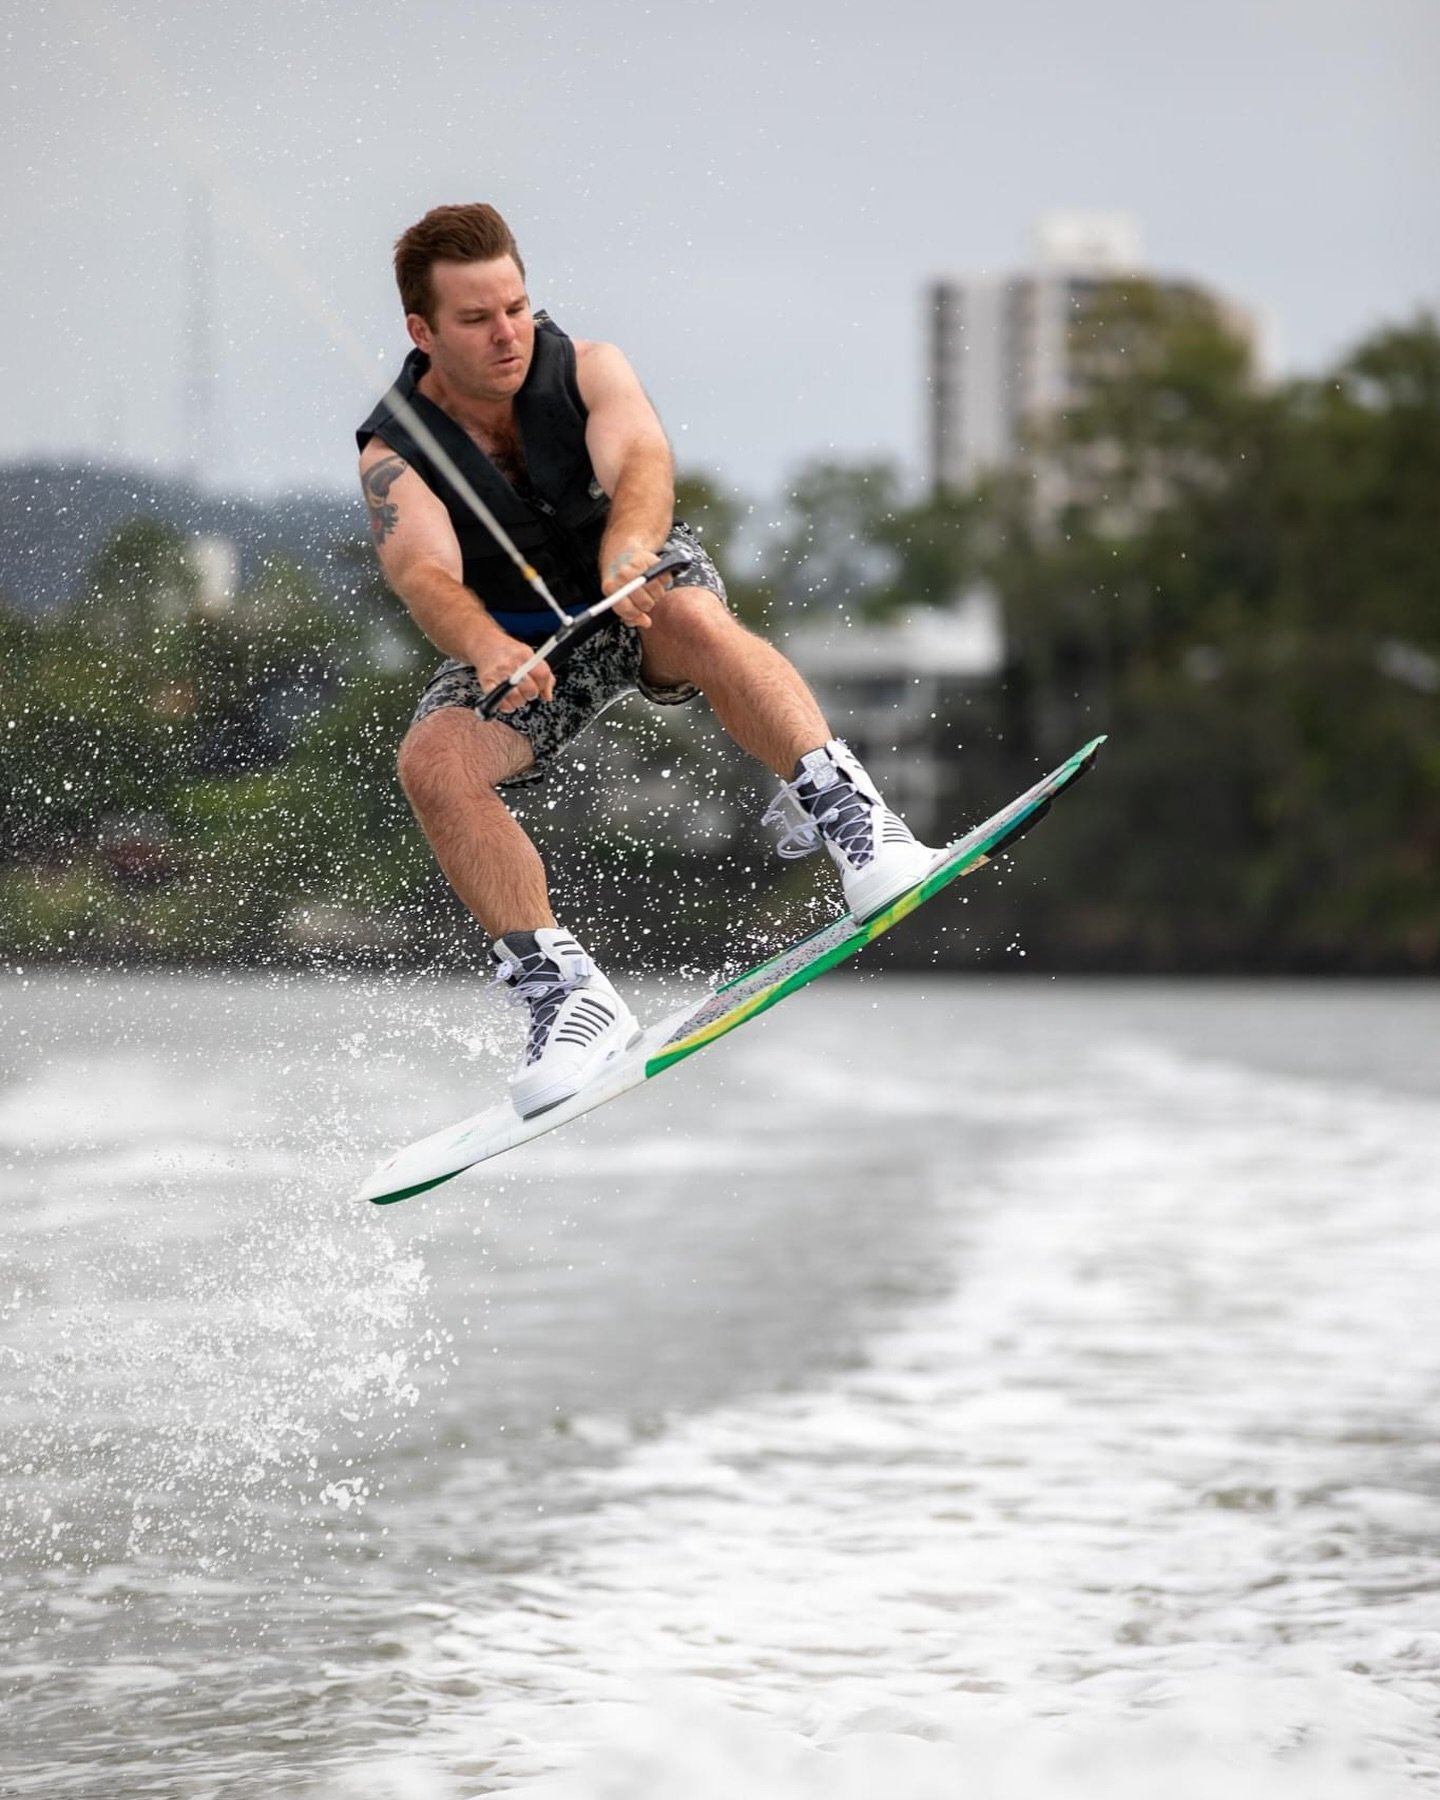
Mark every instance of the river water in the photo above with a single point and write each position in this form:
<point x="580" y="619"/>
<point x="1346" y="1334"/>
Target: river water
<point x="965" y="1388"/>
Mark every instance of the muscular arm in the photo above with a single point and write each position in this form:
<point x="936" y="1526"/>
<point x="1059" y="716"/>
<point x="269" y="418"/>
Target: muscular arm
<point x="632" y="460"/>
<point x="420" y="559"/>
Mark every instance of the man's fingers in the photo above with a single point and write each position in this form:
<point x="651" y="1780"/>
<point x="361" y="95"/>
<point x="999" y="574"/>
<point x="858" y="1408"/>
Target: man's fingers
<point x="631" y="565"/>
<point x="538" y="684"/>
<point x="626" y="567"/>
<point x="636" y="608"/>
<point x="519" y="696"/>
<point x="634" y="611"/>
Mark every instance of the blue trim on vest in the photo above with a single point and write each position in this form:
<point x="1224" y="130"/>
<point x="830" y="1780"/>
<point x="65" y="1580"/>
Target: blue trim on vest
<point x="532" y="628"/>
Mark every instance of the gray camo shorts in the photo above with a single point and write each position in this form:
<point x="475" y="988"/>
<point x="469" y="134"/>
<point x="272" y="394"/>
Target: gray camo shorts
<point x="589" y="677"/>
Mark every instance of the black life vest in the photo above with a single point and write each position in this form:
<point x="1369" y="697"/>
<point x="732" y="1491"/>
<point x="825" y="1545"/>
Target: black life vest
<point x="556" y="517"/>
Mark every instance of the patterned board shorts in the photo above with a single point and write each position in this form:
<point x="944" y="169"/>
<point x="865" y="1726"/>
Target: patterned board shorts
<point x="589" y="677"/>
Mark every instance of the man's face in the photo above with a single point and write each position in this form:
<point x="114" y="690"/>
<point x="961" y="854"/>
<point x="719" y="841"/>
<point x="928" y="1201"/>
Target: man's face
<point x="482" y="336"/>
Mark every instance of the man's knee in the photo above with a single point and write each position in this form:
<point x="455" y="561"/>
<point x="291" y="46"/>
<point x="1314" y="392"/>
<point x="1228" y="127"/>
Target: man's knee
<point x="423" y="752"/>
<point x="691" y="630"/>
<point x="451" y="750"/>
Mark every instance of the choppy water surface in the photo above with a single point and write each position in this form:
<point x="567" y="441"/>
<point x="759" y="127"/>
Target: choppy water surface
<point x="980" y="1388"/>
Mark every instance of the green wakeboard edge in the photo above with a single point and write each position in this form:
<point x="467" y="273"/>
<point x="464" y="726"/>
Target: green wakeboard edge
<point x="447" y="1153"/>
<point x="775" y="979"/>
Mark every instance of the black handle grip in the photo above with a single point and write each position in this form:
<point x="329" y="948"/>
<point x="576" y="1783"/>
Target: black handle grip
<point x="668" y="563"/>
<point x="488" y="702"/>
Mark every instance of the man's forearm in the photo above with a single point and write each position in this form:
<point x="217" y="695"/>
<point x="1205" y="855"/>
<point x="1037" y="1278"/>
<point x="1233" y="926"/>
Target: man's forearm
<point x="449" y="614"/>
<point x="642" y="508"/>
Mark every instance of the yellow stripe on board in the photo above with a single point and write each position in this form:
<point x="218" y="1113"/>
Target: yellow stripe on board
<point x="799" y="973"/>
<point x="726" y="1022"/>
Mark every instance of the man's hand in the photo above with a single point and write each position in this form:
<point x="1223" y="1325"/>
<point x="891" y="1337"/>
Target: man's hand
<point x="497" y="657"/>
<point x="624" y="563"/>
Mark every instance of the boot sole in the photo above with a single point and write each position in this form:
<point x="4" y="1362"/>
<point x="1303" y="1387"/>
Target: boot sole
<point x="889" y="895"/>
<point x="551" y="1099"/>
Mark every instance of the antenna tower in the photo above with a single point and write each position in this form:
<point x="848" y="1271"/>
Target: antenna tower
<point x="198" y="406"/>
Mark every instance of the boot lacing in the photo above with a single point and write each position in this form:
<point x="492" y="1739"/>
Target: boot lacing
<point x="796" y="833"/>
<point x="540" y="983"/>
<point x="848" y="821"/>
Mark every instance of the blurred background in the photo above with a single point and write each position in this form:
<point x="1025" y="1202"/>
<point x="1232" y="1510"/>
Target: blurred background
<point x="1010" y="1374"/>
<point x="1030" y="376"/>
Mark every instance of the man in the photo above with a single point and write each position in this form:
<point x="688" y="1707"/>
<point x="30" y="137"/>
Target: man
<point x="560" y="442"/>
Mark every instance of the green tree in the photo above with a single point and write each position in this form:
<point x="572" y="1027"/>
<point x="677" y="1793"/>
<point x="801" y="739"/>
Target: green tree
<point x="1241" y="588"/>
<point x="141" y="580"/>
<point x="833" y="550"/>
<point x="720" y="520"/>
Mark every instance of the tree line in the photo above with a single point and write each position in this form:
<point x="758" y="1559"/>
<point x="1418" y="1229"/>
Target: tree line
<point x="1239" y="582"/>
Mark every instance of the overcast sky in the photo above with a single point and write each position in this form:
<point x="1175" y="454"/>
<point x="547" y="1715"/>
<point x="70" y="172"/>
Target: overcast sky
<point x="747" y="195"/>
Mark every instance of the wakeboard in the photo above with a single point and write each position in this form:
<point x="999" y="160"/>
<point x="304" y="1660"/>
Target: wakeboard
<point x="499" y="1128"/>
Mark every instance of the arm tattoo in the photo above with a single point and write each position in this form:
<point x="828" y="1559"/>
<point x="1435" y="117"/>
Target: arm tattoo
<point x="377" y="483"/>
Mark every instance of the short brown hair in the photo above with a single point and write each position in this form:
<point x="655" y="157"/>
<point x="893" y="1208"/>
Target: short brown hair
<point x="461" y="234"/>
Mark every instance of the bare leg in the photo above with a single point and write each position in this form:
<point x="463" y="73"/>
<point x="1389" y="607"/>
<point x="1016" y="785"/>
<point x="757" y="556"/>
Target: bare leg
<point x="757" y="694"/>
<point x="449" y="765"/>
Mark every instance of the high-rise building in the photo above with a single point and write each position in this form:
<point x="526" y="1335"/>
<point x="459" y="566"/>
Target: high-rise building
<point x="1000" y="350"/>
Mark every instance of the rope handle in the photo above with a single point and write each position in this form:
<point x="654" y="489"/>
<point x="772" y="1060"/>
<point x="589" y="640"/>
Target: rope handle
<point x="668" y="563"/>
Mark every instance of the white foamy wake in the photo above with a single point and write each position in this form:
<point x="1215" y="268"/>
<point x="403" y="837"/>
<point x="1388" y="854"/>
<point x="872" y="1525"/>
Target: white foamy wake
<point x="198" y="1345"/>
<point x="1149" y="1499"/>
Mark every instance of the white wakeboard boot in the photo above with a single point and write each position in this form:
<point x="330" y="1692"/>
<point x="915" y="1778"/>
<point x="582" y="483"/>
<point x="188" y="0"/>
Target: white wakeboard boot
<point x="832" y="801"/>
<point x="578" y="1023"/>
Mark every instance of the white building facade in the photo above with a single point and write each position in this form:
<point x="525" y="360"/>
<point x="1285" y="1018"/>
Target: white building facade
<point x="999" y="351"/>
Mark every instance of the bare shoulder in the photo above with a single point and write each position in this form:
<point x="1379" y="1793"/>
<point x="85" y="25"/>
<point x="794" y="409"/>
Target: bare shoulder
<point x="601" y="370"/>
<point x="590" y="349"/>
<point x="375" y="452"/>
